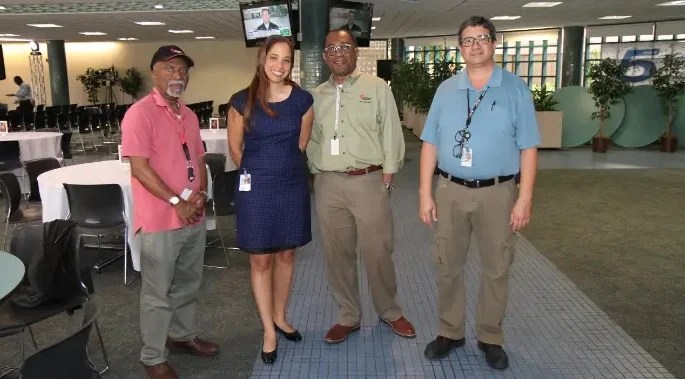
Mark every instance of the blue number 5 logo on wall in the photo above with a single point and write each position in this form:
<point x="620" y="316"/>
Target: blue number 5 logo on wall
<point x="639" y="69"/>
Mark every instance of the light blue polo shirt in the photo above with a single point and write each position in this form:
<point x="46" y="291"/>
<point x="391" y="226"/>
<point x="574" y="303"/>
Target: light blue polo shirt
<point x="502" y="126"/>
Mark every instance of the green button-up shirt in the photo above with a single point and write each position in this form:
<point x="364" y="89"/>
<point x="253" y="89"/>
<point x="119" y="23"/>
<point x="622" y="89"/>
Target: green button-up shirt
<point x="362" y="115"/>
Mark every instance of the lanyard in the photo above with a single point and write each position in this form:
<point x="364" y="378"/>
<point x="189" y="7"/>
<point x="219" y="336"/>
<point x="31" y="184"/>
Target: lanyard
<point x="182" y="137"/>
<point x="475" y="106"/>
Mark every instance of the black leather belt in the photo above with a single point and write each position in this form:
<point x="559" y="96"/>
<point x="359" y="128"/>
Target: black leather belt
<point x="478" y="183"/>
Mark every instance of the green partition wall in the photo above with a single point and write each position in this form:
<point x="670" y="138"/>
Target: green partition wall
<point x="644" y="121"/>
<point x="578" y="127"/>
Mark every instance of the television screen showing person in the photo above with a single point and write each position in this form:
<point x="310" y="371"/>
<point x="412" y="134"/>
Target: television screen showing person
<point x="351" y="25"/>
<point x="266" y="21"/>
<point x="260" y="22"/>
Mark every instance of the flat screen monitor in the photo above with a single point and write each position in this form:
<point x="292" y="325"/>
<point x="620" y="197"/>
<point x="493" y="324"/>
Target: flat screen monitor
<point x="355" y="17"/>
<point x="265" y="18"/>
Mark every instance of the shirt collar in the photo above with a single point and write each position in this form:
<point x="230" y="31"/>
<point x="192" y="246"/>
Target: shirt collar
<point x="495" y="79"/>
<point x="161" y="101"/>
<point x="349" y="81"/>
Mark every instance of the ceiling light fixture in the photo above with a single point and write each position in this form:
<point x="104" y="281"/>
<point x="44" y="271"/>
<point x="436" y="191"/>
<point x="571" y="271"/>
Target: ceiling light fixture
<point x="205" y="37"/>
<point x="93" y="33"/>
<point x="185" y="31"/>
<point x="541" y="4"/>
<point x="614" y="17"/>
<point x="375" y="18"/>
<point x="2" y="8"/>
<point x="45" y="25"/>
<point x="505" y="18"/>
<point x="373" y="28"/>
<point x="9" y="35"/>
<point x="671" y="3"/>
<point x="149" y="23"/>
<point x="159" y="6"/>
<point x="127" y="39"/>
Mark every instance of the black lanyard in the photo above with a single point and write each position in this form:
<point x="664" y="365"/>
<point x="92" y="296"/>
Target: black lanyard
<point x="184" y="145"/>
<point x="470" y="111"/>
<point x="462" y="137"/>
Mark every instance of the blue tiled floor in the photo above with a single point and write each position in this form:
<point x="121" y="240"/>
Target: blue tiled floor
<point x="552" y="330"/>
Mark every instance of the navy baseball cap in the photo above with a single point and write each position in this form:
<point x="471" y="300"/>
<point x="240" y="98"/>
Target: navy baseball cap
<point x="167" y="52"/>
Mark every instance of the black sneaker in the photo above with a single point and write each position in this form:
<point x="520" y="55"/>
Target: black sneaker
<point x="494" y="355"/>
<point x="441" y="346"/>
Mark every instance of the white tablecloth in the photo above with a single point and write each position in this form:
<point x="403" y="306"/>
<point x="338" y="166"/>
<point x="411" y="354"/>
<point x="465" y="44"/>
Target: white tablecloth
<point x="217" y="142"/>
<point x="54" y="196"/>
<point x="36" y="145"/>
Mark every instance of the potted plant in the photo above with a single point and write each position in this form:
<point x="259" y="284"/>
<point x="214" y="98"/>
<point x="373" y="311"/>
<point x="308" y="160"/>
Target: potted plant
<point x="669" y="83"/>
<point x="91" y="81"/>
<point x="131" y="83"/>
<point x="408" y="79"/>
<point x="548" y="118"/>
<point x="607" y="87"/>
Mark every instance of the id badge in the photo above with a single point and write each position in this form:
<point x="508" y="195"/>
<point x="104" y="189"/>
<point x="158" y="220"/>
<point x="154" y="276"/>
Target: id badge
<point x="185" y="195"/>
<point x="245" y="182"/>
<point x="335" y="146"/>
<point x="466" y="157"/>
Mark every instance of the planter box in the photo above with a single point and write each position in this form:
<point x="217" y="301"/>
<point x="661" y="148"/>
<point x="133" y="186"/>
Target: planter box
<point x="413" y="120"/>
<point x="549" y="125"/>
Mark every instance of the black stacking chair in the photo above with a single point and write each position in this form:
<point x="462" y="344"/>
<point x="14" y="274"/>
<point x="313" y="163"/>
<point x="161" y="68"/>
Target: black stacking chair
<point x="68" y="358"/>
<point x="98" y="210"/>
<point x="9" y="186"/>
<point x="78" y="286"/>
<point x="33" y="169"/>
<point x="65" y="144"/>
<point x="216" y="163"/>
<point x="223" y="204"/>
<point x="9" y="156"/>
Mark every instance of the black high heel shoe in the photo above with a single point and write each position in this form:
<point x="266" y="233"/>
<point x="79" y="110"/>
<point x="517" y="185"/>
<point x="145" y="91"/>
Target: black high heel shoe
<point x="269" y="357"/>
<point x="292" y="336"/>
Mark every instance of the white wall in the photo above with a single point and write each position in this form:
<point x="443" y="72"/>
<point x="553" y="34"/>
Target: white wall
<point x="221" y="67"/>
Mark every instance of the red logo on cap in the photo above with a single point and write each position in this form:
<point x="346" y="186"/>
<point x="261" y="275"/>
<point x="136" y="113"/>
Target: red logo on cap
<point x="176" y="51"/>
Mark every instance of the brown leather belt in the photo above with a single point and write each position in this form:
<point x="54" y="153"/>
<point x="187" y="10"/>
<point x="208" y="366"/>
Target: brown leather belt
<point x="363" y="171"/>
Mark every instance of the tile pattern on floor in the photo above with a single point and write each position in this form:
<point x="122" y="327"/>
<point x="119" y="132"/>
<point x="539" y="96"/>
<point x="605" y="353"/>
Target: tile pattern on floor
<point x="552" y="330"/>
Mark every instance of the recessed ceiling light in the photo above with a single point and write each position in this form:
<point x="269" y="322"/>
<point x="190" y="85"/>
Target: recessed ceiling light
<point x="159" y="6"/>
<point x="3" y="39"/>
<point x="375" y="18"/>
<point x="505" y="17"/>
<point x="9" y="35"/>
<point x="45" y="25"/>
<point x="93" y="33"/>
<point x="149" y="23"/>
<point x="614" y="17"/>
<point x="2" y="8"/>
<point x="181" y="31"/>
<point x="127" y="39"/>
<point x="671" y="3"/>
<point x="542" y="4"/>
<point x="205" y="37"/>
<point x="373" y="27"/>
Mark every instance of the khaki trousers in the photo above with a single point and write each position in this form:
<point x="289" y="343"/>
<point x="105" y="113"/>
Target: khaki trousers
<point x="171" y="271"/>
<point x="354" y="212"/>
<point x="485" y="213"/>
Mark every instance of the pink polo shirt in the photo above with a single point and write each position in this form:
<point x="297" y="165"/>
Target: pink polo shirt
<point x="150" y="129"/>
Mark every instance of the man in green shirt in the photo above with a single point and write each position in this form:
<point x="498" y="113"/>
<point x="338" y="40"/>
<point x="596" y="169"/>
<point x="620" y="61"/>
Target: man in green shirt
<point x="355" y="149"/>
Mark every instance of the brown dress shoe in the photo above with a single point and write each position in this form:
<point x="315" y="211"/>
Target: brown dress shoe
<point x="196" y="346"/>
<point x="160" y="371"/>
<point x="402" y="327"/>
<point x="339" y="333"/>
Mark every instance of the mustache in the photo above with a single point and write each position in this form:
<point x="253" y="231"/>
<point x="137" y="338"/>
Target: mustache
<point x="177" y="82"/>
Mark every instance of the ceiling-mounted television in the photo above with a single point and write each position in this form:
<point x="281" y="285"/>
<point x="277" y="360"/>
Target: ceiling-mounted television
<point x="265" y="18"/>
<point x="353" y="16"/>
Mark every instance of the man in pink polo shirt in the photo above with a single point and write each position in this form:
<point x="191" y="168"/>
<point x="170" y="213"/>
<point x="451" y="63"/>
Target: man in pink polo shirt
<point x="161" y="137"/>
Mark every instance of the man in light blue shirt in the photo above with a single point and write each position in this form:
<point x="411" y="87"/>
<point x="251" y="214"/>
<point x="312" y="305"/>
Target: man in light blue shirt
<point x="482" y="134"/>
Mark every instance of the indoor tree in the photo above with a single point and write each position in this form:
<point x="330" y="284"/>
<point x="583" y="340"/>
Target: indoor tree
<point x="669" y="83"/>
<point x="607" y="87"/>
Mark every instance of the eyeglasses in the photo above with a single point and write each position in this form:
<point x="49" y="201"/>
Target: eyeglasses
<point x="181" y="70"/>
<point x="334" y="50"/>
<point x="462" y="138"/>
<point x="482" y="40"/>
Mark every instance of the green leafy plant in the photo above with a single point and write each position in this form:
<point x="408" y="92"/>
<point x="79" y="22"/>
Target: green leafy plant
<point x="607" y="87"/>
<point x="669" y="83"/>
<point x="416" y="85"/>
<point x="543" y="99"/>
<point x="132" y="82"/>
<point x="91" y="81"/>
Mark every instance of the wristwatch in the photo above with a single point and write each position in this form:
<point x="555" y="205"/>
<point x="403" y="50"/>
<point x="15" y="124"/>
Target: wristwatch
<point x="174" y="200"/>
<point x="389" y="187"/>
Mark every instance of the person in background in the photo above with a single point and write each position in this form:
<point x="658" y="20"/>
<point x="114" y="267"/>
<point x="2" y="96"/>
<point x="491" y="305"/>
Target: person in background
<point x="24" y="97"/>
<point x="489" y="113"/>
<point x="266" y="21"/>
<point x="161" y="138"/>
<point x="269" y="124"/>
<point x="356" y="148"/>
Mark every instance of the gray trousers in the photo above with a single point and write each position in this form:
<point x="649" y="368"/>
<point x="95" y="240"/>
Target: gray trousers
<point x="171" y="271"/>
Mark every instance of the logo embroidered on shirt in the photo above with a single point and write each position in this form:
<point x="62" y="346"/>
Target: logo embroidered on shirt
<point x="364" y="99"/>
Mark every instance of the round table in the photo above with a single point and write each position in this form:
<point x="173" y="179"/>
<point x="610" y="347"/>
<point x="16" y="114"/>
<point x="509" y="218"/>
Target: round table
<point x="217" y="142"/>
<point x="11" y="273"/>
<point x="54" y="196"/>
<point x="36" y="145"/>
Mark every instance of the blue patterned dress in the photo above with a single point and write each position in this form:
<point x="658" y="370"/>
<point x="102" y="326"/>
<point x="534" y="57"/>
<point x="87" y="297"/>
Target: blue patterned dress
<point x="275" y="214"/>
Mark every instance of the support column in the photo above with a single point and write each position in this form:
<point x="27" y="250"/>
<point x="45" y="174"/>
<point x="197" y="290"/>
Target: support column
<point x="572" y="56"/>
<point x="59" y="80"/>
<point x="314" y="27"/>
<point x="397" y="49"/>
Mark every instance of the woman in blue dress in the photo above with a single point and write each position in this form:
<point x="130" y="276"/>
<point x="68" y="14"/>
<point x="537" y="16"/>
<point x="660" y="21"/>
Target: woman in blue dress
<point x="269" y="126"/>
